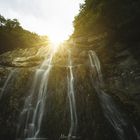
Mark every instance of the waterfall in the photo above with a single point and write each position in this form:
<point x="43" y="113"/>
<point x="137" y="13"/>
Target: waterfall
<point x="121" y="124"/>
<point x="33" y="111"/>
<point x="10" y="76"/>
<point x="72" y="102"/>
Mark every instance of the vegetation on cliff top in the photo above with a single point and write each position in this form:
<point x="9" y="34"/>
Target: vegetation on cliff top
<point x="113" y="16"/>
<point x="13" y="36"/>
<point x="113" y="24"/>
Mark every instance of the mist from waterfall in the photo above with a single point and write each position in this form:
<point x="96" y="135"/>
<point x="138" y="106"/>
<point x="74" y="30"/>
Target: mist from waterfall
<point x="121" y="124"/>
<point x="33" y="111"/>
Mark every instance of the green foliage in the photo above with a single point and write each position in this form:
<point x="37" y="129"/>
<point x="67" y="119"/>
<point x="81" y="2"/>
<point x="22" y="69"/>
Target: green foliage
<point x="100" y="16"/>
<point x="8" y="24"/>
<point x="13" y="36"/>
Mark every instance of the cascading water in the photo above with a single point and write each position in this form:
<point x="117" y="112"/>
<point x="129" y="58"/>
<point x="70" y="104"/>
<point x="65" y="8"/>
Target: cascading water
<point x="32" y="113"/>
<point x="72" y="102"/>
<point x="10" y="76"/>
<point x="123" y="128"/>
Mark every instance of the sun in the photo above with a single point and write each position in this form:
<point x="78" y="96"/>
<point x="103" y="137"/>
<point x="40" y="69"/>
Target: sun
<point x="55" y="42"/>
<point x="57" y="39"/>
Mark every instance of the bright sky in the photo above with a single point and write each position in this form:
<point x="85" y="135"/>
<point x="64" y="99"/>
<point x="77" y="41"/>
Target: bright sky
<point x="46" y="17"/>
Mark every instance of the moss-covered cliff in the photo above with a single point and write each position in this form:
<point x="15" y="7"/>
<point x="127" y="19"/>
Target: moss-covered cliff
<point x="113" y="24"/>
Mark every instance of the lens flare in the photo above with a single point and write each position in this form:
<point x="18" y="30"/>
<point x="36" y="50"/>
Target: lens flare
<point x="57" y="40"/>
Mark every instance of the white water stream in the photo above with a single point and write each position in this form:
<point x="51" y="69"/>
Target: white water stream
<point x="10" y="76"/>
<point x="72" y="102"/>
<point x="111" y="111"/>
<point x="33" y="111"/>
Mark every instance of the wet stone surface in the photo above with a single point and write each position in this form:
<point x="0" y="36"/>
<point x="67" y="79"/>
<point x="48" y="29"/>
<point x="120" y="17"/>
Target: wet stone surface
<point x="122" y="86"/>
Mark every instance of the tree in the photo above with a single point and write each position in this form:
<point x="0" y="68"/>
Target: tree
<point x="2" y="21"/>
<point x="12" y="24"/>
<point x="13" y="36"/>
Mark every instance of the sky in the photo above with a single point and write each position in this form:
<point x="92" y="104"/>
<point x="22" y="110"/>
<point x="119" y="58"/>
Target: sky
<point x="45" y="17"/>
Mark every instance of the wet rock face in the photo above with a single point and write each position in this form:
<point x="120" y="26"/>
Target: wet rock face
<point x="56" y="122"/>
<point x="24" y="57"/>
<point x="11" y="101"/>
